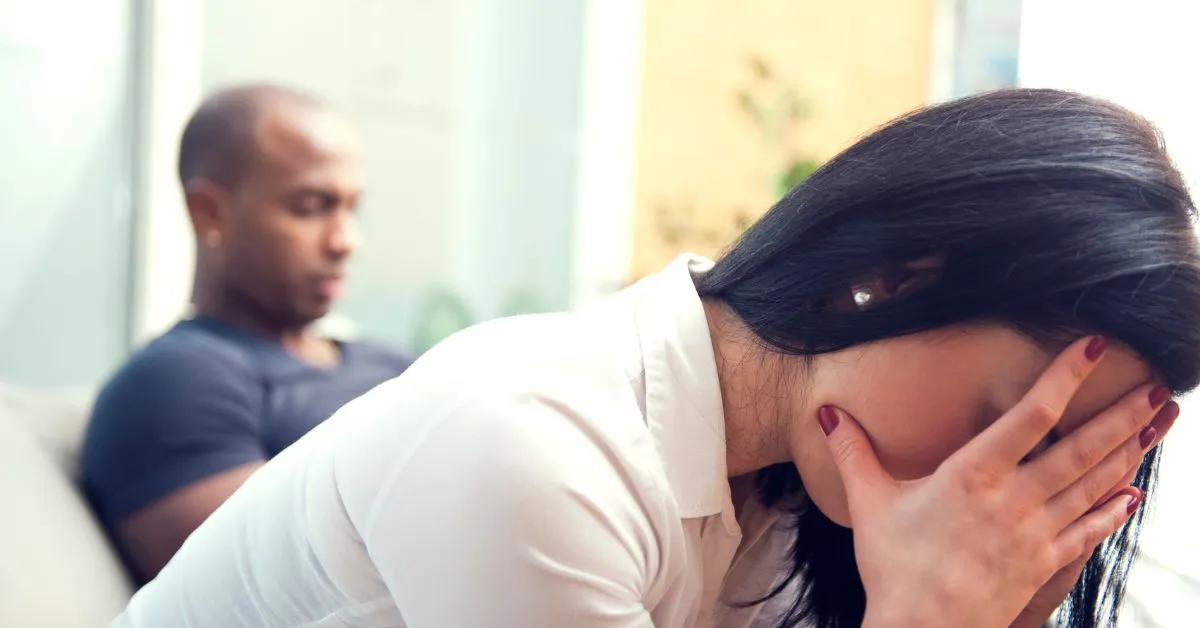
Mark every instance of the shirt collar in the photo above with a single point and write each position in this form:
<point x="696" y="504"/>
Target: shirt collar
<point x="683" y="394"/>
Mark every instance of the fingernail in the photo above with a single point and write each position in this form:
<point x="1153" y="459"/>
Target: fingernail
<point x="1159" y="396"/>
<point x="1168" y="412"/>
<point x="1095" y="348"/>
<point x="828" y="419"/>
<point x="1135" y="498"/>
<point x="1147" y="437"/>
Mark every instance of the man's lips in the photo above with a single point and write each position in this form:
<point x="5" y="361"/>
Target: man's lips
<point x="331" y="287"/>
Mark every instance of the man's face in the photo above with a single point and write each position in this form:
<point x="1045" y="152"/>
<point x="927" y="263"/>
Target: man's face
<point x="290" y="225"/>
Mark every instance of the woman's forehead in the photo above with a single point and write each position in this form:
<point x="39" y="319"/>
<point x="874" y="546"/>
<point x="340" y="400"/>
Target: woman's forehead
<point x="1020" y="362"/>
<point x="1119" y="373"/>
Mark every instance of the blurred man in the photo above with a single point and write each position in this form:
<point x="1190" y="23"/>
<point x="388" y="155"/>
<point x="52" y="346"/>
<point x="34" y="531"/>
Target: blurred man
<point x="272" y="179"/>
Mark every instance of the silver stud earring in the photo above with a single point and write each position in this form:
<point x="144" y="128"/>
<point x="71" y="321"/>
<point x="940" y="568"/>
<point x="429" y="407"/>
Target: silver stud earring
<point x="863" y="296"/>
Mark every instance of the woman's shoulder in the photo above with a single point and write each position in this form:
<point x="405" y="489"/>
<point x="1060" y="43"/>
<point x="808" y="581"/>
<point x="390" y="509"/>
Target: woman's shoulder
<point x="523" y="486"/>
<point x="547" y="399"/>
<point x="561" y="367"/>
<point x="577" y="360"/>
<point x="526" y="458"/>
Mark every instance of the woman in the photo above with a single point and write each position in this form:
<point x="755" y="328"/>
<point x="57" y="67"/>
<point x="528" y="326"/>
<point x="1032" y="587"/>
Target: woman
<point x="877" y="352"/>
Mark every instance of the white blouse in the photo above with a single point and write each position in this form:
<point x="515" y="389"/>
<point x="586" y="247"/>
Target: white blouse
<point x="547" y="471"/>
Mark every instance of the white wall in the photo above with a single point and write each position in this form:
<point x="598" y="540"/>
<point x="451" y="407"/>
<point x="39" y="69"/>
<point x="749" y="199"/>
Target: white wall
<point x="974" y="47"/>
<point x="1139" y="55"/>
<point x="610" y="108"/>
<point x="169" y="49"/>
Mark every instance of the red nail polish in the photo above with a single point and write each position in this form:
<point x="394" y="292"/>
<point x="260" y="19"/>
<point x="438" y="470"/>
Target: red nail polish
<point x="1159" y="396"/>
<point x="1095" y="348"/>
<point x="1168" y="412"/>
<point x="828" y="419"/>
<point x="1147" y="437"/>
<point x="1135" y="498"/>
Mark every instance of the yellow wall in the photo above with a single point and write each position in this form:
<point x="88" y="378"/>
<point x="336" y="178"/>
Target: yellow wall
<point x="858" y="63"/>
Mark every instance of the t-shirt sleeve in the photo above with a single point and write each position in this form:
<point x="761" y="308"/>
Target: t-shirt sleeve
<point x="167" y="419"/>
<point x="514" y="513"/>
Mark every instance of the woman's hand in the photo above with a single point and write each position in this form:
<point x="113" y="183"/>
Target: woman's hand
<point x="973" y="543"/>
<point x="1051" y="595"/>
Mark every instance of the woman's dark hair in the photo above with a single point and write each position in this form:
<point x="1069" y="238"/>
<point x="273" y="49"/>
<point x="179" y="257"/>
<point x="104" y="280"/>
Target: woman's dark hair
<point x="1055" y="213"/>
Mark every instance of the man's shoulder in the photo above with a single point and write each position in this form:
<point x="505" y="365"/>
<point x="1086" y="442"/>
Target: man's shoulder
<point x="176" y="385"/>
<point x="183" y="407"/>
<point x="185" y="360"/>
<point x="191" y="346"/>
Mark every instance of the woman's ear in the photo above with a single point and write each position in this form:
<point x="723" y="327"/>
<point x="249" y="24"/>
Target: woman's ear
<point x="892" y="282"/>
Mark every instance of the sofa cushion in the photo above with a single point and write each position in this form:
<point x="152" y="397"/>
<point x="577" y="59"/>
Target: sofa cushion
<point x="55" y="418"/>
<point x="59" y="570"/>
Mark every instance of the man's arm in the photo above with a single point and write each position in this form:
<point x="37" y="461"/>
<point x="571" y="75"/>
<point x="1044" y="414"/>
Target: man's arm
<point x="172" y="436"/>
<point x="152" y="535"/>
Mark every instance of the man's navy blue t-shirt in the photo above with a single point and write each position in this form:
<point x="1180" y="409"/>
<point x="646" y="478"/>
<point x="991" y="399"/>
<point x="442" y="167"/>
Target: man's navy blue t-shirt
<point x="206" y="397"/>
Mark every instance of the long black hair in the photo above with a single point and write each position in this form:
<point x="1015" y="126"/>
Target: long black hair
<point x="1051" y="212"/>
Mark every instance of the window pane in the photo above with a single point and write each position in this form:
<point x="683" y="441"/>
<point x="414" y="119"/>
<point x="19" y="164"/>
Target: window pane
<point x="64" y="188"/>
<point x="986" y="45"/>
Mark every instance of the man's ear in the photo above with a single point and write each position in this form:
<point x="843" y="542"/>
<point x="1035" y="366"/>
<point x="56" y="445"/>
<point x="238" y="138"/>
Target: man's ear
<point x="206" y="204"/>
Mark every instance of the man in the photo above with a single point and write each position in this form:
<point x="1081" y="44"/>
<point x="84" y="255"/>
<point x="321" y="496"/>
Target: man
<point x="272" y="180"/>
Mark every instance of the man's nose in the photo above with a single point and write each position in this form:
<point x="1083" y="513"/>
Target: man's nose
<point x="344" y="234"/>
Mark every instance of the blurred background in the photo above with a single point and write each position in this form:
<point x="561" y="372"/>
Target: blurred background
<point x="522" y="155"/>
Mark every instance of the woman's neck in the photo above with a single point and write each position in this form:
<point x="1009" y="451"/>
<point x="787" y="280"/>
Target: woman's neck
<point x="753" y="394"/>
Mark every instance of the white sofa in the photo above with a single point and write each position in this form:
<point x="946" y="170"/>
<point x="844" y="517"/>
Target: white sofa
<point x="58" y="570"/>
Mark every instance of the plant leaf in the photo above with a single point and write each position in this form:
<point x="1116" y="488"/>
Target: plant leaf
<point x="760" y="67"/>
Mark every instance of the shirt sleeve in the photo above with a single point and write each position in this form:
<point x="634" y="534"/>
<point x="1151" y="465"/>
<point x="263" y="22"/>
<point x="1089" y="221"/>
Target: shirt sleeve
<point x="167" y="419"/>
<point x="515" y="513"/>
